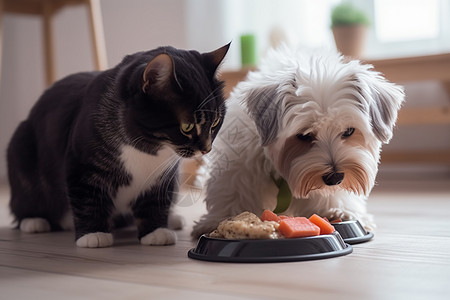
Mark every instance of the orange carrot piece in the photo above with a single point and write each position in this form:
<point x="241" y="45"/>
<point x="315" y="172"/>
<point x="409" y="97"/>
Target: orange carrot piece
<point x="298" y="227"/>
<point x="325" y="226"/>
<point x="336" y="221"/>
<point x="269" y="215"/>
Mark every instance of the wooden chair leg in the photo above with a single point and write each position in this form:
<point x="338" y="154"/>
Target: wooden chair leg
<point x="49" y="43"/>
<point x="97" y="33"/>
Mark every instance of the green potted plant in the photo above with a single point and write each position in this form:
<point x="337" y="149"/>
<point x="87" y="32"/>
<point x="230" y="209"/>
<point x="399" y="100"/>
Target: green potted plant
<point x="349" y="26"/>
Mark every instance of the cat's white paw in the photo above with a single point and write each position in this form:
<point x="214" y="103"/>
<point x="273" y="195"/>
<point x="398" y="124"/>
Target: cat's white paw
<point x="34" y="225"/>
<point x="176" y="222"/>
<point x="95" y="240"/>
<point x="159" y="237"/>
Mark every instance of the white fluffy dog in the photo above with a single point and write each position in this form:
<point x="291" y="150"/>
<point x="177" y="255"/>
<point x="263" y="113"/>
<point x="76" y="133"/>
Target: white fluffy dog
<point x="315" y="120"/>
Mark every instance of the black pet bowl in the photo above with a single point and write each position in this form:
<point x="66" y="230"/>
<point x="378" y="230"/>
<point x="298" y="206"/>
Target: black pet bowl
<point x="352" y="232"/>
<point x="268" y="250"/>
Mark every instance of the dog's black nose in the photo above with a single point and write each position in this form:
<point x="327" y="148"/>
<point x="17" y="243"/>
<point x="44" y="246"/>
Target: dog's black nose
<point x="333" y="178"/>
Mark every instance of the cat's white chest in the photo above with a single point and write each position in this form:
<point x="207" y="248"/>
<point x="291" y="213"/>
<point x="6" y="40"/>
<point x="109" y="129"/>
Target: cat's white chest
<point x="145" y="170"/>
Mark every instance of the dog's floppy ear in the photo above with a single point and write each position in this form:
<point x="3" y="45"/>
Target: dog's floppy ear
<point x="262" y="105"/>
<point x="385" y="100"/>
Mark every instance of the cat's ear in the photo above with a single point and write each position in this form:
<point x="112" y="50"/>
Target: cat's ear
<point x="159" y="72"/>
<point x="214" y="58"/>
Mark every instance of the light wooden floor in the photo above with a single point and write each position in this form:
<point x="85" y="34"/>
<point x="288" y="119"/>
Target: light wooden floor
<point x="409" y="258"/>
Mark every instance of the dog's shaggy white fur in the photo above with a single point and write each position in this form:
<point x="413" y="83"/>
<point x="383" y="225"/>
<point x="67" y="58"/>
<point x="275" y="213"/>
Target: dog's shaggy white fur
<point x="315" y="120"/>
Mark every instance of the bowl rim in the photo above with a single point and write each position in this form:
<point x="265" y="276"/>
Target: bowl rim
<point x="357" y="239"/>
<point x="193" y="253"/>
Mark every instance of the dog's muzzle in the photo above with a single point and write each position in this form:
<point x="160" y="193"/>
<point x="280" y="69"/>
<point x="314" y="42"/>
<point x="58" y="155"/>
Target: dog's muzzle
<point x="333" y="178"/>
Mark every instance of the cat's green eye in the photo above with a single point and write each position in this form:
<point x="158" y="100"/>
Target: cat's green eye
<point x="216" y="122"/>
<point x="187" y="127"/>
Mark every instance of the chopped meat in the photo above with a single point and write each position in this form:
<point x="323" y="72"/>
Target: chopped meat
<point x="246" y="226"/>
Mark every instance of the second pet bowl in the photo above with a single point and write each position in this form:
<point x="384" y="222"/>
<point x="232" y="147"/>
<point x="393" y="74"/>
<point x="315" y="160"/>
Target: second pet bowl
<point x="352" y="232"/>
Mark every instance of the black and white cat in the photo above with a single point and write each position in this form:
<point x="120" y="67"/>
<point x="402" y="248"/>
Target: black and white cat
<point x="101" y="143"/>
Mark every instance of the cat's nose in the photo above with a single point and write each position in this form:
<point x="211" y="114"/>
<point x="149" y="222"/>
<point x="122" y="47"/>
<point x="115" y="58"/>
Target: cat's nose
<point x="205" y="151"/>
<point x="204" y="146"/>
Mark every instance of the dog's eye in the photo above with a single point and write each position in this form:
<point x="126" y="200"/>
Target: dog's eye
<point x="348" y="132"/>
<point x="294" y="82"/>
<point x="305" y="137"/>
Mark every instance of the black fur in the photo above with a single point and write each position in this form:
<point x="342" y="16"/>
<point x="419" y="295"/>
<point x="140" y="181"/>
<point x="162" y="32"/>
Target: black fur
<point x="66" y="153"/>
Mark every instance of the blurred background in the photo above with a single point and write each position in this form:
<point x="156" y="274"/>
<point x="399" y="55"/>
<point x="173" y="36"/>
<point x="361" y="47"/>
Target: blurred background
<point x="396" y="29"/>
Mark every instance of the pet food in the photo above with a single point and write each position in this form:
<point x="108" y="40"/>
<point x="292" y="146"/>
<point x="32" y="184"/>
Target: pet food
<point x="246" y="226"/>
<point x="298" y="227"/>
<point x="271" y="226"/>
<point x="269" y="215"/>
<point x="336" y="221"/>
<point x="323" y="224"/>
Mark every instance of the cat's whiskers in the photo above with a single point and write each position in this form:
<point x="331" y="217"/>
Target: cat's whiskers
<point x="208" y="98"/>
<point x="136" y="141"/>
<point x="167" y="175"/>
<point x="168" y="164"/>
<point x="207" y="110"/>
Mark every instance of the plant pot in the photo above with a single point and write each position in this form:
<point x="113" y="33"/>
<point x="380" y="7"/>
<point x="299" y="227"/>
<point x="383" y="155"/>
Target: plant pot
<point x="350" y="39"/>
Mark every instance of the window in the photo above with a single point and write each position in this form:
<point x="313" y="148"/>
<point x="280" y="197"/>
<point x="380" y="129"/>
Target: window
<point x="408" y="27"/>
<point x="406" y="20"/>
